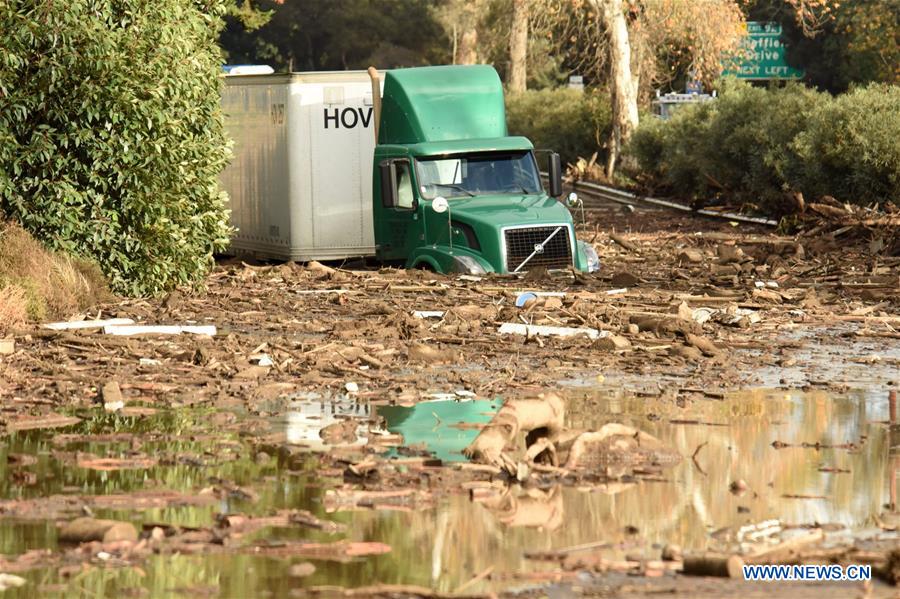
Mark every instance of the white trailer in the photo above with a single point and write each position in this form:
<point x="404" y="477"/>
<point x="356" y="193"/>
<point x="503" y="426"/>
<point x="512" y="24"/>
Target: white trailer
<point x="300" y="181"/>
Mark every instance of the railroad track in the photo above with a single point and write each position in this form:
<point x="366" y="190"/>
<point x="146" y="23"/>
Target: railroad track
<point x="594" y="194"/>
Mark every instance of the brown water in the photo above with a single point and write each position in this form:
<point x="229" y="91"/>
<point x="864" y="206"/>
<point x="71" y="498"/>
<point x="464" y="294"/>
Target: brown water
<point x="445" y="546"/>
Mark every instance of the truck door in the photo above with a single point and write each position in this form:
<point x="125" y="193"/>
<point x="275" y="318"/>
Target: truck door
<point x="399" y="223"/>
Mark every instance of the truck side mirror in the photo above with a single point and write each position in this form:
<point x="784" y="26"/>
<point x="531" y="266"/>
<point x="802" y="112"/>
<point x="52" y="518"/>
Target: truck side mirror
<point x="388" y="188"/>
<point x="555" y="175"/>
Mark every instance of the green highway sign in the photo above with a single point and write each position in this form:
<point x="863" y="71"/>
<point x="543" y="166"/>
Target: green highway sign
<point x="762" y="54"/>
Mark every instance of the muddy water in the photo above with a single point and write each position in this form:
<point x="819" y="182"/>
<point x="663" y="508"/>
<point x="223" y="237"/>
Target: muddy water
<point x="443" y="547"/>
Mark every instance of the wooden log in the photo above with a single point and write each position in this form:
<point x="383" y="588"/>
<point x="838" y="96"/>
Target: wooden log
<point x="710" y="564"/>
<point x="786" y="551"/>
<point x="84" y="530"/>
<point x="631" y="247"/>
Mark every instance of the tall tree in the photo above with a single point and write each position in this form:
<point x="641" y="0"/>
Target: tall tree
<point x="518" y="47"/>
<point x="623" y="87"/>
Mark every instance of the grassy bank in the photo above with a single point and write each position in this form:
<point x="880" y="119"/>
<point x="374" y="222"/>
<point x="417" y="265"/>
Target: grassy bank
<point x="37" y="284"/>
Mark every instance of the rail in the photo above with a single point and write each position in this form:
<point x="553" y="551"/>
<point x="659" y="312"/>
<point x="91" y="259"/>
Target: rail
<point x="620" y="196"/>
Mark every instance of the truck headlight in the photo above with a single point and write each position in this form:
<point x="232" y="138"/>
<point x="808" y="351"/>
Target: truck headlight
<point x="468" y="265"/>
<point x="593" y="260"/>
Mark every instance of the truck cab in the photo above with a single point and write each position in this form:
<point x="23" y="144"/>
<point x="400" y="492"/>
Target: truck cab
<point x="452" y="191"/>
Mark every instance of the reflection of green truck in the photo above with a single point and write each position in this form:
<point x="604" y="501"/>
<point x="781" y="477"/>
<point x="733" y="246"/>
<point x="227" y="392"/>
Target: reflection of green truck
<point x="450" y="190"/>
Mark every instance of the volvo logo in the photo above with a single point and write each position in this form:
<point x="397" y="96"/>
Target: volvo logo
<point x="539" y="248"/>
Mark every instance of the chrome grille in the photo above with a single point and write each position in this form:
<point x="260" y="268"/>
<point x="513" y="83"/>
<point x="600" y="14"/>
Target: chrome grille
<point x="520" y="243"/>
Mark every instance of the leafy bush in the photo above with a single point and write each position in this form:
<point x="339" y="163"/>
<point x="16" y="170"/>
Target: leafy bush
<point x="571" y="122"/>
<point x="851" y="147"/>
<point x="754" y="144"/>
<point x="111" y="136"/>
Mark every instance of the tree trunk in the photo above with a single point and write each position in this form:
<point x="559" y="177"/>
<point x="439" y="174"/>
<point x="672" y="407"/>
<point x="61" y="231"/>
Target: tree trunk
<point x="518" y="47"/>
<point x="467" y="52"/>
<point x="622" y="86"/>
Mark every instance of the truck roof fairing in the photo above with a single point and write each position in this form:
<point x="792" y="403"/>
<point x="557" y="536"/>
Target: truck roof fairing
<point x="432" y="104"/>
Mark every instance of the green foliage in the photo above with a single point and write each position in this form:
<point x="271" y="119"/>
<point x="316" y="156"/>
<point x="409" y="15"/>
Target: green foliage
<point x="111" y="135"/>
<point x="569" y="121"/>
<point x="753" y="145"/>
<point x="316" y="35"/>
<point x="248" y="15"/>
<point x="851" y="147"/>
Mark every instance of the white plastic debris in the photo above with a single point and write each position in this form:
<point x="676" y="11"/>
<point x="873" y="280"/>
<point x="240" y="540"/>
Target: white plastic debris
<point x="150" y="362"/>
<point x="87" y="324"/>
<point x="159" y="329"/>
<point x="464" y="393"/>
<point x="734" y="316"/>
<point x="8" y="581"/>
<point x="514" y="328"/>
<point x="113" y="406"/>
<point x="617" y="291"/>
<point x="470" y="278"/>
<point x="769" y="284"/>
<point x="428" y="314"/>
<point x="262" y="360"/>
<point x="702" y="315"/>
<point x="760" y="530"/>
<point x="351" y="387"/>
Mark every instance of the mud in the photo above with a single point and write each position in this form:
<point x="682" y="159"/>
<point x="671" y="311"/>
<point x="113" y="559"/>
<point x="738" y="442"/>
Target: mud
<point x="314" y="445"/>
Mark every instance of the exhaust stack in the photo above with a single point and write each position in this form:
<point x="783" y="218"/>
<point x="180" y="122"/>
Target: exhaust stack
<point x="376" y="98"/>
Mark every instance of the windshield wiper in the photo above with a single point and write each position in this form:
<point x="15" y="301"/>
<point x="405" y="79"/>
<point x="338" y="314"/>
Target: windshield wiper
<point x="457" y="187"/>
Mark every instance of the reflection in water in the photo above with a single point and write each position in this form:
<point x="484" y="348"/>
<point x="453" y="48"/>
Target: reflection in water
<point x="306" y="418"/>
<point x="443" y="547"/>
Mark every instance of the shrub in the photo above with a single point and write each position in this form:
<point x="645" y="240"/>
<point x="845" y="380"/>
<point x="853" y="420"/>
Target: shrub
<point x="753" y="145"/>
<point x="571" y="122"/>
<point x="111" y="136"/>
<point x="851" y="148"/>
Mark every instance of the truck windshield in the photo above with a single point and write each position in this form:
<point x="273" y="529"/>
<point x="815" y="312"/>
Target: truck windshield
<point x="477" y="174"/>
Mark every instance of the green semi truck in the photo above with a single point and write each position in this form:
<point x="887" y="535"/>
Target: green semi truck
<point x="444" y="188"/>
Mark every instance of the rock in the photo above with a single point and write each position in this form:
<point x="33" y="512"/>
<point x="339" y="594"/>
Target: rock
<point x="690" y="255"/>
<point x="738" y="487"/>
<point x="553" y="303"/>
<point x="624" y="279"/>
<point x="686" y="351"/>
<point x="336" y="433"/>
<point x="157" y="534"/>
<point x="252" y="373"/>
<point x="612" y="342"/>
<point x="685" y="312"/>
<point x="315" y="266"/>
<point x="672" y="553"/>
<point x="420" y="352"/>
<point x="730" y="254"/>
<point x="301" y="570"/>
<point x="84" y="530"/>
<point x="767" y="295"/>
<point x="703" y="344"/>
<point x="7" y="346"/>
<point x="112" y="397"/>
<point x="632" y="329"/>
